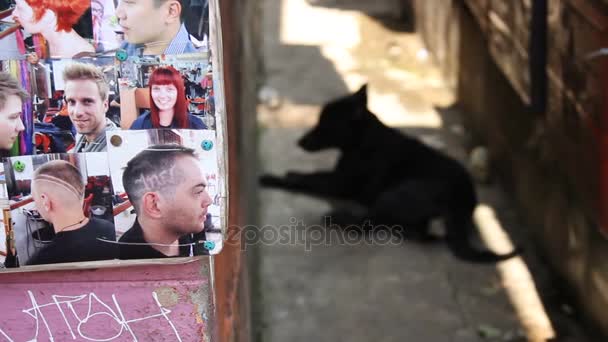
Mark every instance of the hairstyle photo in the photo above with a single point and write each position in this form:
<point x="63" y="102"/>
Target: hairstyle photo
<point x="16" y="122"/>
<point x="68" y="12"/>
<point x="53" y="28"/>
<point x="72" y="181"/>
<point x="167" y="75"/>
<point x="136" y="153"/>
<point x="192" y="76"/>
<point x="54" y="131"/>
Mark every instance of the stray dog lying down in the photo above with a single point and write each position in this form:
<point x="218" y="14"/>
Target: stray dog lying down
<point x="397" y="179"/>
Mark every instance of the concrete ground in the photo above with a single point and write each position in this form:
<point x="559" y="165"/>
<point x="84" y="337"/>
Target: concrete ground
<point x="355" y="290"/>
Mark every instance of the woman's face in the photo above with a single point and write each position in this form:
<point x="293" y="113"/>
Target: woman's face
<point x="24" y="14"/>
<point x="164" y="96"/>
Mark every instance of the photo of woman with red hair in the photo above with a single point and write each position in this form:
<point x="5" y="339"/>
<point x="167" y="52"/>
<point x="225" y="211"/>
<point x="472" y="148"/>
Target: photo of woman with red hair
<point x="54" y="21"/>
<point x="168" y="104"/>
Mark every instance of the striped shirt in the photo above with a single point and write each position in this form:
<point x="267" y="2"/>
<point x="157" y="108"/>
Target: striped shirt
<point x="99" y="144"/>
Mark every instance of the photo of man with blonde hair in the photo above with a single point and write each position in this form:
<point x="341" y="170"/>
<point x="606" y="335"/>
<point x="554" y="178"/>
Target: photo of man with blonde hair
<point x="86" y="94"/>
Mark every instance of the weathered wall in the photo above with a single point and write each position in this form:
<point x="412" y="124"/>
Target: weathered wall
<point x="551" y="159"/>
<point x="437" y="23"/>
<point x="137" y="303"/>
<point x="241" y="37"/>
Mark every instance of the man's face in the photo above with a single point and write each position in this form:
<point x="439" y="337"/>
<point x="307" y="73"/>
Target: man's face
<point x="10" y="121"/>
<point x="86" y="108"/>
<point x="141" y="21"/>
<point x="187" y="210"/>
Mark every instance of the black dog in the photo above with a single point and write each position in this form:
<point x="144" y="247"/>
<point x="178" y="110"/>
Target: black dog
<point x="399" y="180"/>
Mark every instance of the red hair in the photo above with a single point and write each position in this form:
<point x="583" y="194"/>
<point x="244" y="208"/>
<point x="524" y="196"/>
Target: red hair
<point x="164" y="76"/>
<point x="67" y="11"/>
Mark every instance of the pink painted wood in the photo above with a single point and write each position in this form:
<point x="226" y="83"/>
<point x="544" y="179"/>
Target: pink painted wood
<point x="163" y="302"/>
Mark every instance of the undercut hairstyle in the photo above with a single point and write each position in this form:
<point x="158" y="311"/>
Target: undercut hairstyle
<point x="10" y="86"/>
<point x="84" y="71"/>
<point x="183" y="3"/>
<point x="67" y="12"/>
<point x="62" y="174"/>
<point x="154" y="170"/>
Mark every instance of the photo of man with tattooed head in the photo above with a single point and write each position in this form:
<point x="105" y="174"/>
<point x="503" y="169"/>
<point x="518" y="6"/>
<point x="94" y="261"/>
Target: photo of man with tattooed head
<point x="167" y="188"/>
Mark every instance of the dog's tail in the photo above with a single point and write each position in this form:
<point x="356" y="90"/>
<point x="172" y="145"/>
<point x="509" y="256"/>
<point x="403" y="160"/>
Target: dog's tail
<point x="462" y="249"/>
<point x="458" y="242"/>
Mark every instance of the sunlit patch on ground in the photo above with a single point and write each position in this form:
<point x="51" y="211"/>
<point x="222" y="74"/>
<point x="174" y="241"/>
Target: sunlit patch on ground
<point x="516" y="278"/>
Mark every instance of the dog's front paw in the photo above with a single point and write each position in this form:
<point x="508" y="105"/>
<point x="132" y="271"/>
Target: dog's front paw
<point x="342" y="218"/>
<point x="293" y="177"/>
<point x="271" y="181"/>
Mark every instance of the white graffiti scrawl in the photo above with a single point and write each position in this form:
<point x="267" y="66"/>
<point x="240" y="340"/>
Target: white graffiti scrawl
<point x="81" y="326"/>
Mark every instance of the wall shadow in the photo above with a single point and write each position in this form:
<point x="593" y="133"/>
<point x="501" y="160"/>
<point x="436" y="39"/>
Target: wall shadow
<point x="300" y="73"/>
<point x="394" y="15"/>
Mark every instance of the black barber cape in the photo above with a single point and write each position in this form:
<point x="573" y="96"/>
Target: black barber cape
<point x="139" y="250"/>
<point x="82" y="244"/>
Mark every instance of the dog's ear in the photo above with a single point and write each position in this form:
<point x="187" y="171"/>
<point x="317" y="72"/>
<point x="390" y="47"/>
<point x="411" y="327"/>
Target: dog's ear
<point x="361" y="95"/>
<point x="360" y="101"/>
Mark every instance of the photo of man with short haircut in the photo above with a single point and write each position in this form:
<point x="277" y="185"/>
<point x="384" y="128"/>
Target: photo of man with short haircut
<point x="86" y="94"/>
<point x="11" y="107"/>
<point x="167" y="188"/>
<point x="58" y="192"/>
<point x="155" y="27"/>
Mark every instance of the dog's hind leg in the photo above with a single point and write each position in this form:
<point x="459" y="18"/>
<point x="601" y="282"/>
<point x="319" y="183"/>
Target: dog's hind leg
<point x="459" y="231"/>
<point x="409" y="208"/>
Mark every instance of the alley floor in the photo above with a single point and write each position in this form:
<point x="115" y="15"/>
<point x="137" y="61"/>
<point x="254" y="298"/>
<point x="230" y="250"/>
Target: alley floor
<point x="317" y="50"/>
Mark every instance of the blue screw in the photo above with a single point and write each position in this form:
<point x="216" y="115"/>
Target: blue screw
<point x="209" y="245"/>
<point x="207" y="145"/>
<point x="121" y="55"/>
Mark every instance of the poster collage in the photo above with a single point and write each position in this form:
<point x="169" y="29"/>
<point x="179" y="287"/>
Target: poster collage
<point x="110" y="138"/>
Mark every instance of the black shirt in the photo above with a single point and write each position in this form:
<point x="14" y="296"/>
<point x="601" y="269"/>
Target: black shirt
<point x="81" y="244"/>
<point x="135" y="235"/>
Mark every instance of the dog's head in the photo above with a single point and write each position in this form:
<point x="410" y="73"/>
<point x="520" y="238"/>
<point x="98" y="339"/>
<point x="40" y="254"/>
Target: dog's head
<point x="340" y="123"/>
